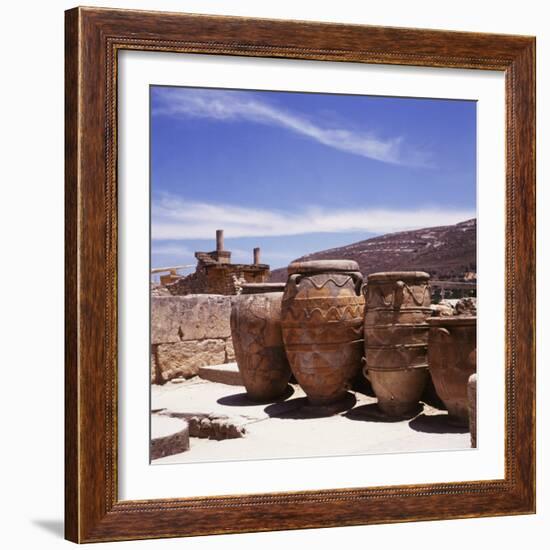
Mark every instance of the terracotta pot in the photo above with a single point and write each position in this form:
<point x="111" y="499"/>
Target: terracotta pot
<point x="472" y="408"/>
<point x="258" y="342"/>
<point x="396" y="339"/>
<point x="322" y="320"/>
<point x="452" y="360"/>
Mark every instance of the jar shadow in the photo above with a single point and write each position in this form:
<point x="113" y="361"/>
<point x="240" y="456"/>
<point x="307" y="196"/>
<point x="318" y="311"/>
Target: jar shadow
<point x="301" y="408"/>
<point x="372" y="413"/>
<point x="436" y="424"/>
<point x="243" y="400"/>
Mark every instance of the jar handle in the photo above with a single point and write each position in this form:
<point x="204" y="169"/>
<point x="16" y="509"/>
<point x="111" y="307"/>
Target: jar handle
<point x="440" y="331"/>
<point x="357" y="279"/>
<point x="291" y="288"/>
<point x="398" y="294"/>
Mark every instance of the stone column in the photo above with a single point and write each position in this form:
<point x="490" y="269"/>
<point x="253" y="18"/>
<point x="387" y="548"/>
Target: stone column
<point x="219" y="240"/>
<point x="256" y="256"/>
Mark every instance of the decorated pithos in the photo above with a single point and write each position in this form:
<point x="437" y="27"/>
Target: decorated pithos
<point x="396" y="338"/>
<point x="452" y="358"/>
<point x="322" y="322"/>
<point x="258" y="341"/>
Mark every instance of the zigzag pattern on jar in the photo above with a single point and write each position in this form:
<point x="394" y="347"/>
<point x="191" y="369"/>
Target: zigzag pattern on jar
<point x="330" y="313"/>
<point x="378" y="297"/>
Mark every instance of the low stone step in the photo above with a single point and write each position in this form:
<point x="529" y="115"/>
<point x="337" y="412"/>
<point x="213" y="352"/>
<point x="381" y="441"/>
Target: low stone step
<point x="169" y="436"/>
<point x="227" y="373"/>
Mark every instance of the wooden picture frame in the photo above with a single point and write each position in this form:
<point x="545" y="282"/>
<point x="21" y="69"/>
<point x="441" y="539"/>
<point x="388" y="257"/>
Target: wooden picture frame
<point x="93" y="511"/>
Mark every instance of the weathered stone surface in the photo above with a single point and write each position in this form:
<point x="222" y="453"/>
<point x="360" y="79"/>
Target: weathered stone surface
<point x="158" y="290"/>
<point x="224" y="374"/>
<point x="216" y="426"/>
<point x="448" y="308"/>
<point x="215" y="274"/>
<point x="442" y="310"/>
<point x="183" y="359"/>
<point x="229" y="351"/>
<point x="169" y="436"/>
<point x="192" y="317"/>
<point x="466" y="306"/>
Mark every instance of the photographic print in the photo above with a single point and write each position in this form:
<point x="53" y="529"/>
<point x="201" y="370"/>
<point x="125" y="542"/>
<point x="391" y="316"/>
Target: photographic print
<point x="313" y="274"/>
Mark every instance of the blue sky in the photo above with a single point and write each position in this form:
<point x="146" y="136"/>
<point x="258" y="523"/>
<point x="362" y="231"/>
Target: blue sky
<point x="298" y="172"/>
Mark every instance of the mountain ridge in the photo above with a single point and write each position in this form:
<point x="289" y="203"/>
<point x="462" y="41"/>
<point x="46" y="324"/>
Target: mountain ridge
<point x="446" y="252"/>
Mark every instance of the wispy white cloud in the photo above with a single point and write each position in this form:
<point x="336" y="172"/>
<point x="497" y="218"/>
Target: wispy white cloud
<point x="229" y="106"/>
<point x="170" y="249"/>
<point x="174" y="218"/>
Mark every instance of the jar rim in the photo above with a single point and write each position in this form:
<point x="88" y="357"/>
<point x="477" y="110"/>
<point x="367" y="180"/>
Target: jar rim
<point x="453" y="321"/>
<point x="398" y="275"/>
<point x="323" y="266"/>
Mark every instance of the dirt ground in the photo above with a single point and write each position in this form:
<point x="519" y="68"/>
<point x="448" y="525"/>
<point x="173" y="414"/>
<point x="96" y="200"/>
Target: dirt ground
<point x="291" y="427"/>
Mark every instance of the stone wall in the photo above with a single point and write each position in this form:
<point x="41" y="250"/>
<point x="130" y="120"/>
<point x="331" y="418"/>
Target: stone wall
<point x="219" y="279"/>
<point x="194" y="283"/>
<point x="188" y="332"/>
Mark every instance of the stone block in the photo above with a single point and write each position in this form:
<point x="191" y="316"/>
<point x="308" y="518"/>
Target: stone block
<point x="215" y="426"/>
<point x="467" y="306"/>
<point x="183" y="359"/>
<point x="191" y="317"/>
<point x="442" y="310"/>
<point x="229" y="351"/>
<point x="169" y="436"/>
<point x="223" y="374"/>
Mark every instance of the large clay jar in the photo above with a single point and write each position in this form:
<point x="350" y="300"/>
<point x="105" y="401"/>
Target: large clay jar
<point x="452" y="359"/>
<point x="258" y="341"/>
<point x="322" y="320"/>
<point x="396" y="339"/>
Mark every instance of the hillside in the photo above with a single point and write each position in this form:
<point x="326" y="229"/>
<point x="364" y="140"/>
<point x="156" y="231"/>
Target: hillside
<point x="447" y="252"/>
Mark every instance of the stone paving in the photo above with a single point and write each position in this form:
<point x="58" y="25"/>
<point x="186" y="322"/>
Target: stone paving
<point x="226" y="425"/>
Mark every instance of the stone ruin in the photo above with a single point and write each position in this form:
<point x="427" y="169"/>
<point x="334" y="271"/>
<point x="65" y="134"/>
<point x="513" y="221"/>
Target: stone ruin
<point x="215" y="274"/>
<point x="187" y="333"/>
